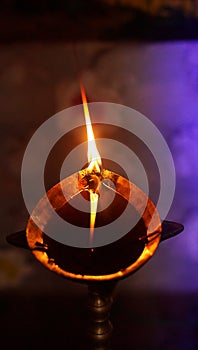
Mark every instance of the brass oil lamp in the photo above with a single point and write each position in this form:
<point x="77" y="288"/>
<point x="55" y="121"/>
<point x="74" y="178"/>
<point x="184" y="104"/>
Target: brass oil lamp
<point x="99" y="266"/>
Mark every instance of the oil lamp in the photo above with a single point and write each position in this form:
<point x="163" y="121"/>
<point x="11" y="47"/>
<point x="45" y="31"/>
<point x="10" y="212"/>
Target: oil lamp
<point x="98" y="265"/>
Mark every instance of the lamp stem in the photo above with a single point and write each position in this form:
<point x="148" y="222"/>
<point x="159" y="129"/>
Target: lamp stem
<point x="99" y="305"/>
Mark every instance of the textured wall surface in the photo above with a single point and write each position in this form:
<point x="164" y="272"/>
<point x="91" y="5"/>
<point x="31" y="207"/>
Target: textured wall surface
<point x="161" y="81"/>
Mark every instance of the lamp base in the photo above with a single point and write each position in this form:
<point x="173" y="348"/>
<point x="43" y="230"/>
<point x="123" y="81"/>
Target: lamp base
<point x="99" y="306"/>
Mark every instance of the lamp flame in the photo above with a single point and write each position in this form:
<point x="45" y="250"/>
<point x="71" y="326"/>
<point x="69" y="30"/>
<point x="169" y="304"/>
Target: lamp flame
<point x="94" y="161"/>
<point x="93" y="155"/>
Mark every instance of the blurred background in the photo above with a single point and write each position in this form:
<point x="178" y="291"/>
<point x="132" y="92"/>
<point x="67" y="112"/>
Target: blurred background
<point x="142" y="54"/>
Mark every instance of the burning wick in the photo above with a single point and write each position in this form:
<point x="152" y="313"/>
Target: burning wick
<point x="94" y="168"/>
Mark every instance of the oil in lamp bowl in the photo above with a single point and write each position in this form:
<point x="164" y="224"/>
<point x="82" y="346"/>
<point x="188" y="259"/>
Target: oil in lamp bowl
<point x="107" y="262"/>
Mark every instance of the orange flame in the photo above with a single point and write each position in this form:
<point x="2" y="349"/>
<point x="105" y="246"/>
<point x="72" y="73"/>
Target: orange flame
<point x="94" y="161"/>
<point x="93" y="155"/>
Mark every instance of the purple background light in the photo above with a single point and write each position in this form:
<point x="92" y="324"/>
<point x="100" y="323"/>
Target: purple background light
<point x="160" y="80"/>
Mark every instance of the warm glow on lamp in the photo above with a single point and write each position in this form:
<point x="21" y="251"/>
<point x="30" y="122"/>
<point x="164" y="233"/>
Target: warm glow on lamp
<point x="93" y="211"/>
